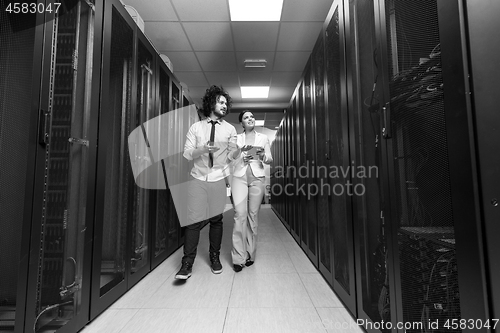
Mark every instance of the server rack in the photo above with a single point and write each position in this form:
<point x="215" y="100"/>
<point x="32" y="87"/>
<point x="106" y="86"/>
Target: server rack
<point x="339" y="155"/>
<point x="166" y="235"/>
<point x="17" y="35"/>
<point x="114" y="183"/>
<point x="293" y="164"/>
<point x="373" y="296"/>
<point x="137" y="227"/>
<point x="74" y="84"/>
<point x="308" y="159"/>
<point x="486" y="119"/>
<point x="319" y="124"/>
<point x="398" y="103"/>
<point x="332" y="235"/>
<point x="424" y="112"/>
<point x="47" y="74"/>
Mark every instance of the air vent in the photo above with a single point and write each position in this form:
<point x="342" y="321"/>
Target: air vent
<point x="255" y="63"/>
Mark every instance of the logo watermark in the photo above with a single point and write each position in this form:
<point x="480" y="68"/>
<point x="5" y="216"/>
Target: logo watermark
<point x="157" y="157"/>
<point x="311" y="180"/>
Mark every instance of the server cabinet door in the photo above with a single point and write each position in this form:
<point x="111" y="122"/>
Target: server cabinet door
<point x="364" y="91"/>
<point x="21" y="40"/>
<point x="340" y="169"/>
<point x="278" y="175"/>
<point x="309" y="233"/>
<point x="165" y="234"/>
<point x="296" y="144"/>
<point x="177" y="139"/>
<point x="301" y="162"/>
<point x="290" y="153"/>
<point x="139" y="197"/>
<point x="319" y="125"/>
<point x="433" y="242"/>
<point x="59" y="226"/>
<point x="318" y="130"/>
<point x="115" y="183"/>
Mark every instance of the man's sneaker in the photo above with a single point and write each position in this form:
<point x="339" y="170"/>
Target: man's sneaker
<point x="185" y="272"/>
<point x="238" y="268"/>
<point x="216" y="266"/>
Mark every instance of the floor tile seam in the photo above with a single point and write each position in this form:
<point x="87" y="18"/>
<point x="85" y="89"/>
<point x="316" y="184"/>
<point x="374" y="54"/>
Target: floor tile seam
<point x="187" y="308"/>
<point x="282" y="243"/>
<point x="130" y="319"/>
<point x="272" y="307"/>
<point x="272" y="273"/>
<point x="320" y="318"/>
<point x="228" y="303"/>
<point x="341" y="305"/>
<point x="307" y="291"/>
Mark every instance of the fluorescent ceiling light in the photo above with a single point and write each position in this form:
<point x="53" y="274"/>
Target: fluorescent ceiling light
<point x="254" y="92"/>
<point x="255" y="10"/>
<point x="259" y="122"/>
<point x="255" y="63"/>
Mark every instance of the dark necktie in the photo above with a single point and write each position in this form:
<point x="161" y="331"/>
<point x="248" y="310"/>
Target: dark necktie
<point x="212" y="138"/>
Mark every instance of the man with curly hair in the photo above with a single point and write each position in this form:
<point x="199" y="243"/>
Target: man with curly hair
<point x="208" y="143"/>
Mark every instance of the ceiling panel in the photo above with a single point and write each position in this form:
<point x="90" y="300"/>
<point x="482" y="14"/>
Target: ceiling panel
<point x="295" y="10"/>
<point x="298" y="36"/>
<point x="291" y="61"/>
<point x="249" y="36"/>
<point x="259" y="105"/>
<point x="281" y="94"/>
<point x="234" y="92"/>
<point x="196" y="92"/>
<point x="167" y="36"/>
<point x="192" y="78"/>
<point x="255" y="79"/>
<point x="183" y="61"/>
<point x="202" y="10"/>
<point x="209" y="36"/>
<point x="217" y="61"/>
<point x="226" y="78"/>
<point x="285" y="79"/>
<point x="154" y="10"/>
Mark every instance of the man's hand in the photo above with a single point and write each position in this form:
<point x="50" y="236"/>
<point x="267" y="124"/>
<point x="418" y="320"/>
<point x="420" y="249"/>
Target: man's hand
<point x="210" y="148"/>
<point x="232" y="146"/>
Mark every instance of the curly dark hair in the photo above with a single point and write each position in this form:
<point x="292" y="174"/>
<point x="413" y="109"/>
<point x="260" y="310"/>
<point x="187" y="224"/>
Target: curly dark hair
<point x="211" y="96"/>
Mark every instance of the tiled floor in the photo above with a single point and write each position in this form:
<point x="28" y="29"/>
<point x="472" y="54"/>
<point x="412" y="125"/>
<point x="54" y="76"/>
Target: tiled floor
<point x="281" y="292"/>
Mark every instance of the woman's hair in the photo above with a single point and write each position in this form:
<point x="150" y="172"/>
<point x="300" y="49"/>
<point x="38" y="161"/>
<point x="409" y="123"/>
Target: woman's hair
<point x="240" y="117"/>
<point x="210" y="99"/>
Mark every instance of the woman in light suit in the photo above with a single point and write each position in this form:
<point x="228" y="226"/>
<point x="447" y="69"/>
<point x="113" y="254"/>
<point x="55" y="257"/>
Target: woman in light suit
<point x="248" y="189"/>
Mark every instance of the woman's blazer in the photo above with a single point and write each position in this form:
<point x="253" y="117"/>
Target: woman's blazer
<point x="240" y="168"/>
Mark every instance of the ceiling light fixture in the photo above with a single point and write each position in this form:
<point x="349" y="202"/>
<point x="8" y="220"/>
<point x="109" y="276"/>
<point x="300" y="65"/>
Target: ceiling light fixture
<point x="259" y="122"/>
<point x="255" y="10"/>
<point x="255" y="63"/>
<point x="255" y="92"/>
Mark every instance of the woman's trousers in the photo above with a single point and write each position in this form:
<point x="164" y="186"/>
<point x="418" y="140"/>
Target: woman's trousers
<point x="247" y="192"/>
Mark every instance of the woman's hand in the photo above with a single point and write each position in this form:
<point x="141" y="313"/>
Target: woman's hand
<point x="261" y="153"/>
<point x="246" y="148"/>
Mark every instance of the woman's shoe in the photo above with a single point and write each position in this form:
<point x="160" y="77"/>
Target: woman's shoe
<point x="249" y="261"/>
<point x="238" y="268"/>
